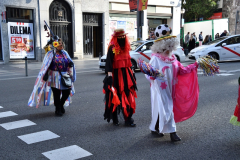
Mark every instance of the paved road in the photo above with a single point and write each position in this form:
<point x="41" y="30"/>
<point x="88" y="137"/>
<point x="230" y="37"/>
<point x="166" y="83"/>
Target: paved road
<point x="30" y="133"/>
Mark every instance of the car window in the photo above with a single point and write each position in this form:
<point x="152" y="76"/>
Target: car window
<point x="146" y="46"/>
<point x="238" y="39"/>
<point x="135" y="45"/>
<point x="216" y="41"/>
<point x="230" y="41"/>
<point x="234" y="40"/>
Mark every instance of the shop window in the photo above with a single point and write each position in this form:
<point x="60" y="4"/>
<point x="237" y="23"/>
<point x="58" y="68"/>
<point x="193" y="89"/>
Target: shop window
<point x="19" y="14"/>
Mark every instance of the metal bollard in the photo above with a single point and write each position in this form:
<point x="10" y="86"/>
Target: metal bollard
<point x="26" y="67"/>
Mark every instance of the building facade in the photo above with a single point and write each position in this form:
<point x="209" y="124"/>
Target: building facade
<point x="85" y="26"/>
<point x="82" y="24"/>
<point x="158" y="12"/>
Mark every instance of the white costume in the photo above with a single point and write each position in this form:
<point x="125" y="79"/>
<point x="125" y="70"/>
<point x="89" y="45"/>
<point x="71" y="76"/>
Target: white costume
<point x="161" y="98"/>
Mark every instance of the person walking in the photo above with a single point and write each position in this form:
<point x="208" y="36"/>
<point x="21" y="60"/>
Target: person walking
<point x="224" y="33"/>
<point x="120" y="81"/>
<point x="187" y="39"/>
<point x="217" y="36"/>
<point x="168" y="105"/>
<point x="191" y="43"/>
<point x="206" y="40"/>
<point x="200" y="39"/>
<point x="57" y="64"/>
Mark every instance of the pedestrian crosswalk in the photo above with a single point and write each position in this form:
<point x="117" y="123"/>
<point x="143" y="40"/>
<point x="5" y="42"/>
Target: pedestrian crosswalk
<point x="38" y="136"/>
<point x="17" y="124"/>
<point x="65" y="153"/>
<point x="7" y="114"/>
<point x="72" y="152"/>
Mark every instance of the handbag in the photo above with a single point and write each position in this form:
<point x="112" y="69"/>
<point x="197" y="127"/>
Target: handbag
<point x="65" y="79"/>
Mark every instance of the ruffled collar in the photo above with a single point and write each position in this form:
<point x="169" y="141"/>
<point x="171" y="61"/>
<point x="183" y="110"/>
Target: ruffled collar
<point x="165" y="58"/>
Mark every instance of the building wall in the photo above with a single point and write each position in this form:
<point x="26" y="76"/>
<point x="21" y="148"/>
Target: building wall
<point x="229" y="10"/>
<point x="27" y="4"/>
<point x="77" y="8"/>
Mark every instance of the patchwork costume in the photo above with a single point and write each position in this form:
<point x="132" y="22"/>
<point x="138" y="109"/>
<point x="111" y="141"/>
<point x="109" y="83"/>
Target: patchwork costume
<point x="42" y="91"/>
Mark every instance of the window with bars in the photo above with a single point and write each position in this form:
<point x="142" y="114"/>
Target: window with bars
<point x="19" y="14"/>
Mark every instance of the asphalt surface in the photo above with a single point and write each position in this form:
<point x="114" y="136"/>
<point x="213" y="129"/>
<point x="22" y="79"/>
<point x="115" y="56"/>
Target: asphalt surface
<point x="207" y="135"/>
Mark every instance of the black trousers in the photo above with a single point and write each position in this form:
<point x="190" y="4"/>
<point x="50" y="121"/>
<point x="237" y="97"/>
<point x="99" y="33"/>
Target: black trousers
<point x="58" y="102"/>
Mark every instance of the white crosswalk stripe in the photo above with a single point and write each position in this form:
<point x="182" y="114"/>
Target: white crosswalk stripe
<point x="1" y="107"/>
<point x="17" y="124"/>
<point x="38" y="136"/>
<point x="69" y="153"/>
<point x="7" y="114"/>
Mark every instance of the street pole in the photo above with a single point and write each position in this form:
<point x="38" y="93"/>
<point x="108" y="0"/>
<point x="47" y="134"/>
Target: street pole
<point x="26" y="66"/>
<point x="139" y="22"/>
<point x="237" y="17"/>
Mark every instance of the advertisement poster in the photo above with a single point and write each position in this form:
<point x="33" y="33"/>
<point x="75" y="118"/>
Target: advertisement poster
<point x="21" y="40"/>
<point x="121" y="24"/>
<point x="133" y="5"/>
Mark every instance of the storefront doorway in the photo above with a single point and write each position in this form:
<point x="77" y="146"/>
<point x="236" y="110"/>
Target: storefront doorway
<point x="92" y="34"/>
<point x="60" y="18"/>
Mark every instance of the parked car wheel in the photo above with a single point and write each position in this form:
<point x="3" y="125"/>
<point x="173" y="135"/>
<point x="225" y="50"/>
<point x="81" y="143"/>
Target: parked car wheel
<point x="134" y="64"/>
<point x="214" y="55"/>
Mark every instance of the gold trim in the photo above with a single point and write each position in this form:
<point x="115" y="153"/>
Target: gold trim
<point x="166" y="37"/>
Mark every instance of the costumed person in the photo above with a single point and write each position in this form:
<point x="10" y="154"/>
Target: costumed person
<point x="54" y="83"/>
<point x="174" y="97"/>
<point x="120" y="82"/>
<point x="235" y="119"/>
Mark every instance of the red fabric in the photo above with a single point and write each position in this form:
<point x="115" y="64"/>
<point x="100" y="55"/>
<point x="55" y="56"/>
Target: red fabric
<point x="122" y="60"/>
<point x="120" y="81"/>
<point x="104" y="92"/>
<point x="185" y="100"/>
<point x="130" y="100"/>
<point x="238" y="101"/>
<point x="124" y="104"/>
<point x="115" y="99"/>
<point x="236" y="111"/>
<point x="129" y="80"/>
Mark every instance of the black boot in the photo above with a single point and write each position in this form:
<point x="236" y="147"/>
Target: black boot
<point x="62" y="109"/>
<point x="116" y="123"/>
<point x="157" y="133"/>
<point x="174" y="137"/>
<point x="58" y="111"/>
<point x="130" y="123"/>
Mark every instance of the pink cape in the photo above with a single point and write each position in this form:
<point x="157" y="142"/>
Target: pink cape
<point x="185" y="100"/>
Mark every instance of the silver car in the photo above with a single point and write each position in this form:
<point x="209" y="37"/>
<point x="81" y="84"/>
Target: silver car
<point x="139" y="47"/>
